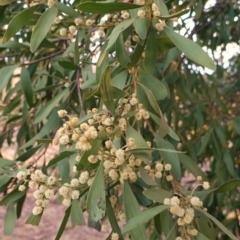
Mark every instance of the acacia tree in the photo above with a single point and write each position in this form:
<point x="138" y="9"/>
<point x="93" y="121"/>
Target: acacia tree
<point x="120" y="91"/>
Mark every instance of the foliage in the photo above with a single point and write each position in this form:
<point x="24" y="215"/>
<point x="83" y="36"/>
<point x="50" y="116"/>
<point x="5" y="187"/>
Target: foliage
<point x="119" y="89"/>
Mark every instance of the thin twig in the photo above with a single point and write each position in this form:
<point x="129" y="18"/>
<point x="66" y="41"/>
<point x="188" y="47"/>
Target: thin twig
<point x="43" y="58"/>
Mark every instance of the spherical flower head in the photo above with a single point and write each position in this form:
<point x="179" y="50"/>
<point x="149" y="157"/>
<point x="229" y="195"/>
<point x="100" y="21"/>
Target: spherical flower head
<point x="21" y="175"/>
<point x="55" y="142"/>
<point x="74" y="182"/>
<point x="113" y="199"/>
<point x="155" y="7"/>
<point x="159" y="167"/>
<point x="178" y="238"/>
<point x="120" y="153"/>
<point x="92" y="159"/>
<point x="135" y="38"/>
<point x="38" y="194"/>
<point x="125" y="15"/>
<point x="133" y="101"/>
<point x="180" y="222"/>
<point x="113" y="174"/>
<point x="63" y="32"/>
<point x="51" y="3"/>
<point x="196" y="202"/>
<point x="199" y="178"/>
<point x="66" y="202"/>
<point x="64" y="140"/>
<point x="107" y="122"/>
<point x="32" y="184"/>
<point x="37" y="210"/>
<point x="167" y="201"/>
<point x="49" y="193"/>
<point x="168" y="167"/>
<point x="74" y="121"/>
<point x="174" y="201"/>
<point x="138" y="162"/>
<point x="57" y="20"/>
<point x="141" y="13"/>
<point x="72" y="29"/>
<point x="119" y="161"/>
<point x="21" y="188"/>
<point x="159" y="26"/>
<point x="158" y="174"/>
<point x="78" y="21"/>
<point x="132" y="176"/>
<point x="114" y="236"/>
<point x="206" y="185"/>
<point x="156" y="13"/>
<point x="101" y="33"/>
<point x="140" y="2"/>
<point x="51" y="180"/>
<point x="169" y="178"/>
<point x="89" y="22"/>
<point x="122" y="216"/>
<point x="75" y="194"/>
<point x="192" y="232"/>
<point x="84" y="126"/>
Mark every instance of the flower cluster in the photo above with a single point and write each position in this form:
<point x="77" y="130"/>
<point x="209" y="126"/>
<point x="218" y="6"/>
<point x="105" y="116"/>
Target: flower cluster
<point x="183" y="208"/>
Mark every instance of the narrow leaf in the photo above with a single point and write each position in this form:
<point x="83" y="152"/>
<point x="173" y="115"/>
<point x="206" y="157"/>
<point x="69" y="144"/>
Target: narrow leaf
<point x="42" y="27"/>
<point x="9" y="220"/>
<point x="96" y="200"/>
<point x="157" y="195"/>
<point x="77" y="217"/>
<point x="192" y="50"/>
<point x="61" y="156"/>
<point x="94" y="7"/>
<point x="142" y="217"/>
<point x="18" y="22"/>
<point x="27" y="86"/>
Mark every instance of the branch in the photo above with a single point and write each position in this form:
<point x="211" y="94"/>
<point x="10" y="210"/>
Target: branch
<point x="43" y="58"/>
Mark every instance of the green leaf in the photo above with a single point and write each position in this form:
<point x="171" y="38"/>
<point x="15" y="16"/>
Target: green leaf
<point x="67" y="10"/>
<point x="141" y="25"/>
<point x="76" y="49"/>
<point x="151" y="51"/>
<point x="94" y="7"/>
<point x="4" y="179"/>
<point x="25" y="156"/>
<point x="236" y="125"/>
<point x="229" y="162"/>
<point x="18" y="22"/>
<point x="178" y="14"/>
<point x="200" y="236"/>
<point x="5" y="2"/>
<point x="44" y="111"/>
<point x="191" y="166"/>
<point x="106" y="90"/>
<point x="120" y="79"/>
<point x="63" y="224"/>
<point x="164" y="44"/>
<point x="157" y="88"/>
<point x="77" y="217"/>
<point x="69" y="65"/>
<point x="112" y="219"/>
<point x="162" y="7"/>
<point x="146" y="178"/>
<point x="204" y="142"/>
<point x="96" y="200"/>
<point x="117" y="30"/>
<point x="157" y="195"/>
<point x="142" y="217"/>
<point x="12" y="197"/>
<point x="6" y="73"/>
<point x="13" y="45"/>
<point x="121" y="53"/>
<point x="6" y="163"/>
<point x="169" y="157"/>
<point x="227" y="186"/>
<point x="10" y="220"/>
<point x="220" y="225"/>
<point x="168" y="225"/>
<point x="131" y="210"/>
<point x="34" y="219"/>
<point x="42" y="27"/>
<point x="172" y="134"/>
<point x="192" y="50"/>
<point x="61" y="156"/>
<point x="27" y="86"/>
<point x="139" y="142"/>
